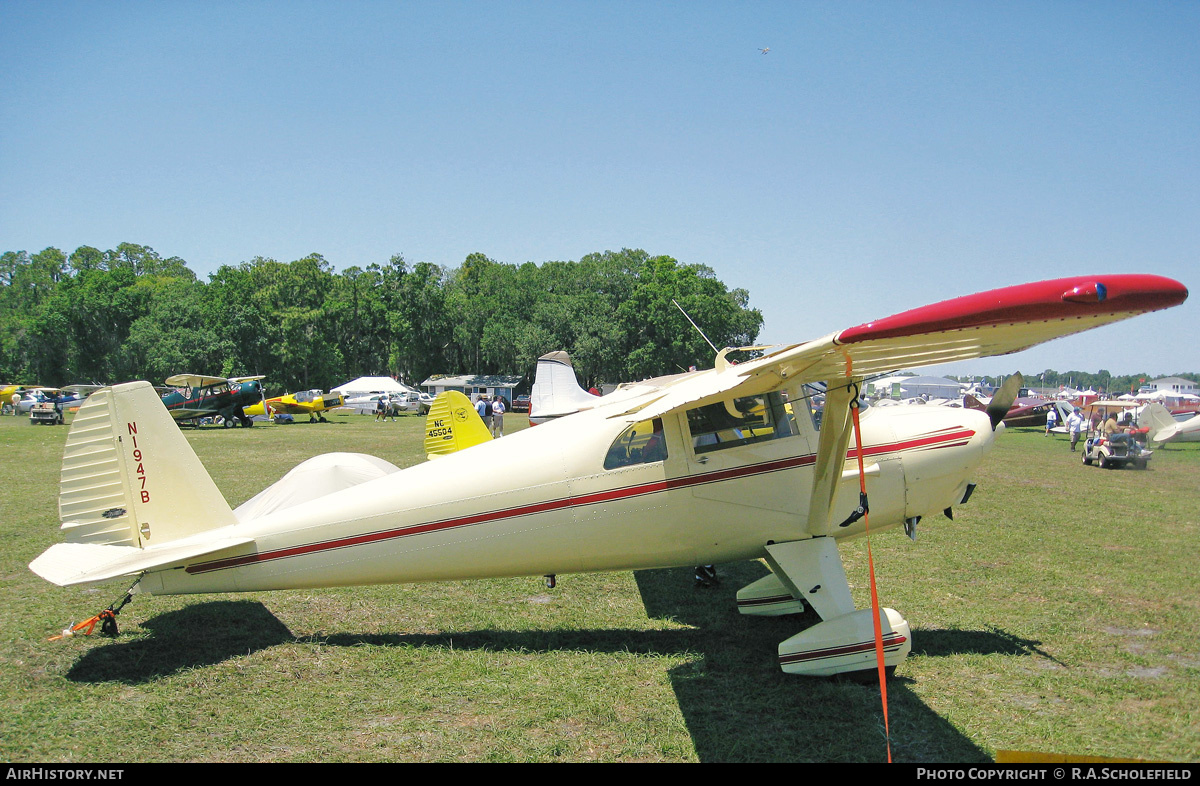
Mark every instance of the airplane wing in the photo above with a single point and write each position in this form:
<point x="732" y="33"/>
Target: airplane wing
<point x="84" y="389"/>
<point x="188" y="413"/>
<point x="288" y="407"/>
<point x="194" y="380"/>
<point x="997" y="322"/>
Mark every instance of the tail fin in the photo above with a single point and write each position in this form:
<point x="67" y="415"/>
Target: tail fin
<point x="1162" y="426"/>
<point x="131" y="489"/>
<point x="129" y="476"/>
<point x="453" y="425"/>
<point x="556" y="392"/>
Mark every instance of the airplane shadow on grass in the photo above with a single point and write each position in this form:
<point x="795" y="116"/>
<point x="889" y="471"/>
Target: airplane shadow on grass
<point x="199" y="635"/>
<point x="737" y="704"/>
<point x="740" y="706"/>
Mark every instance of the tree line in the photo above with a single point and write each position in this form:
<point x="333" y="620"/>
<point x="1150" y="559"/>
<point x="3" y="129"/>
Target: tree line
<point x="129" y="313"/>
<point x="1101" y="381"/>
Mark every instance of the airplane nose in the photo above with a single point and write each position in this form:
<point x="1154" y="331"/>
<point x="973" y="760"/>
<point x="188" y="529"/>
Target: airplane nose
<point x="938" y="477"/>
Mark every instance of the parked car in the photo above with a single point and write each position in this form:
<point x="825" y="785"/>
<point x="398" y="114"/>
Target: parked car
<point x="520" y="404"/>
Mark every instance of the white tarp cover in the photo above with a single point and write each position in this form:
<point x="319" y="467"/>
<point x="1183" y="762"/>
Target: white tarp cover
<point x="318" y="476"/>
<point x="365" y="385"/>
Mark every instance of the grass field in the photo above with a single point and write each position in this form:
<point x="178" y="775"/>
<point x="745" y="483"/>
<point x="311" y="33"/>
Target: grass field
<point x="1057" y="612"/>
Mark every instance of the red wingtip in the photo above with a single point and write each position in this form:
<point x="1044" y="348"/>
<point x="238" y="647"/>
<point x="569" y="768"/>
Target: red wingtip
<point x="1061" y="298"/>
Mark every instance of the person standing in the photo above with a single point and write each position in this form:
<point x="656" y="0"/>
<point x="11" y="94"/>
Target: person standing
<point x="498" y="410"/>
<point x="1051" y="419"/>
<point x="1074" y="426"/>
<point x="484" y="407"/>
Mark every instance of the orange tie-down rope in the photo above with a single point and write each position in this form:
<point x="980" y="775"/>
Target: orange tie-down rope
<point x="106" y="618"/>
<point x="87" y="626"/>
<point x="862" y="485"/>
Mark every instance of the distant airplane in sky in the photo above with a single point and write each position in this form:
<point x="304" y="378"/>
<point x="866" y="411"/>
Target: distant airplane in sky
<point x="764" y="51"/>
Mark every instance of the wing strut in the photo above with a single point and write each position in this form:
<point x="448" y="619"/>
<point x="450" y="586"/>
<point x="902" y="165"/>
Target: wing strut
<point x="831" y="454"/>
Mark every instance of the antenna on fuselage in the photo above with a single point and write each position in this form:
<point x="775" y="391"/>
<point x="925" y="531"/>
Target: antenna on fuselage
<point x="698" y="330"/>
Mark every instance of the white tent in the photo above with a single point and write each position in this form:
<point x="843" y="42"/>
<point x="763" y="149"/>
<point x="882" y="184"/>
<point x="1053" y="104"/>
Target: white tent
<point x="364" y="386"/>
<point x="932" y="387"/>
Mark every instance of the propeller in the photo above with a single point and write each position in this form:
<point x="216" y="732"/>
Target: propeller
<point x="1004" y="398"/>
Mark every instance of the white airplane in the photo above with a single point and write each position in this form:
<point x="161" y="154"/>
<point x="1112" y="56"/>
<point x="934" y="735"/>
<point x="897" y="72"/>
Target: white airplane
<point x="700" y="468"/>
<point x="1165" y="428"/>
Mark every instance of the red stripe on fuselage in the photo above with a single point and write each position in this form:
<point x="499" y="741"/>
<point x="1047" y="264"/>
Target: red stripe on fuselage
<point x="932" y="441"/>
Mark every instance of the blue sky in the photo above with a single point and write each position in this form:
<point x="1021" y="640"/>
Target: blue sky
<point x="881" y="156"/>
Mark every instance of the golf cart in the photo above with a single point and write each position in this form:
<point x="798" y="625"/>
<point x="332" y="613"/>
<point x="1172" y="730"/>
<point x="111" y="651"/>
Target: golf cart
<point x="1118" y="449"/>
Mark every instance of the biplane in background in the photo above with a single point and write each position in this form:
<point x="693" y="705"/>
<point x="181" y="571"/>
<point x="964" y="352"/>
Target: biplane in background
<point x="1027" y="410"/>
<point x="694" y="469"/>
<point x="193" y="397"/>
<point x="306" y="402"/>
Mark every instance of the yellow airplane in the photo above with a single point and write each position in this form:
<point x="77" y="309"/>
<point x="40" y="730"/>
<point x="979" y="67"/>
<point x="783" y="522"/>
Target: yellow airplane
<point x="694" y="469"/>
<point x="6" y="394"/>
<point x="306" y="402"/>
<point x="453" y="425"/>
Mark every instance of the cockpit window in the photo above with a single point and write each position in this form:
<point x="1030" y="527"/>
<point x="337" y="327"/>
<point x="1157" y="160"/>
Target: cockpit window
<point x="641" y="443"/>
<point x="739" y="421"/>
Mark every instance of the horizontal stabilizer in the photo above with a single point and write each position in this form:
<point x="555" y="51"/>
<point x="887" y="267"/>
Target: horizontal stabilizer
<point x="87" y="563"/>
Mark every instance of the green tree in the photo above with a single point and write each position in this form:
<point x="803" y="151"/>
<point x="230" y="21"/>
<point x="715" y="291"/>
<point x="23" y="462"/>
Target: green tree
<point x="659" y="338"/>
<point x="175" y="335"/>
<point x="421" y="321"/>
